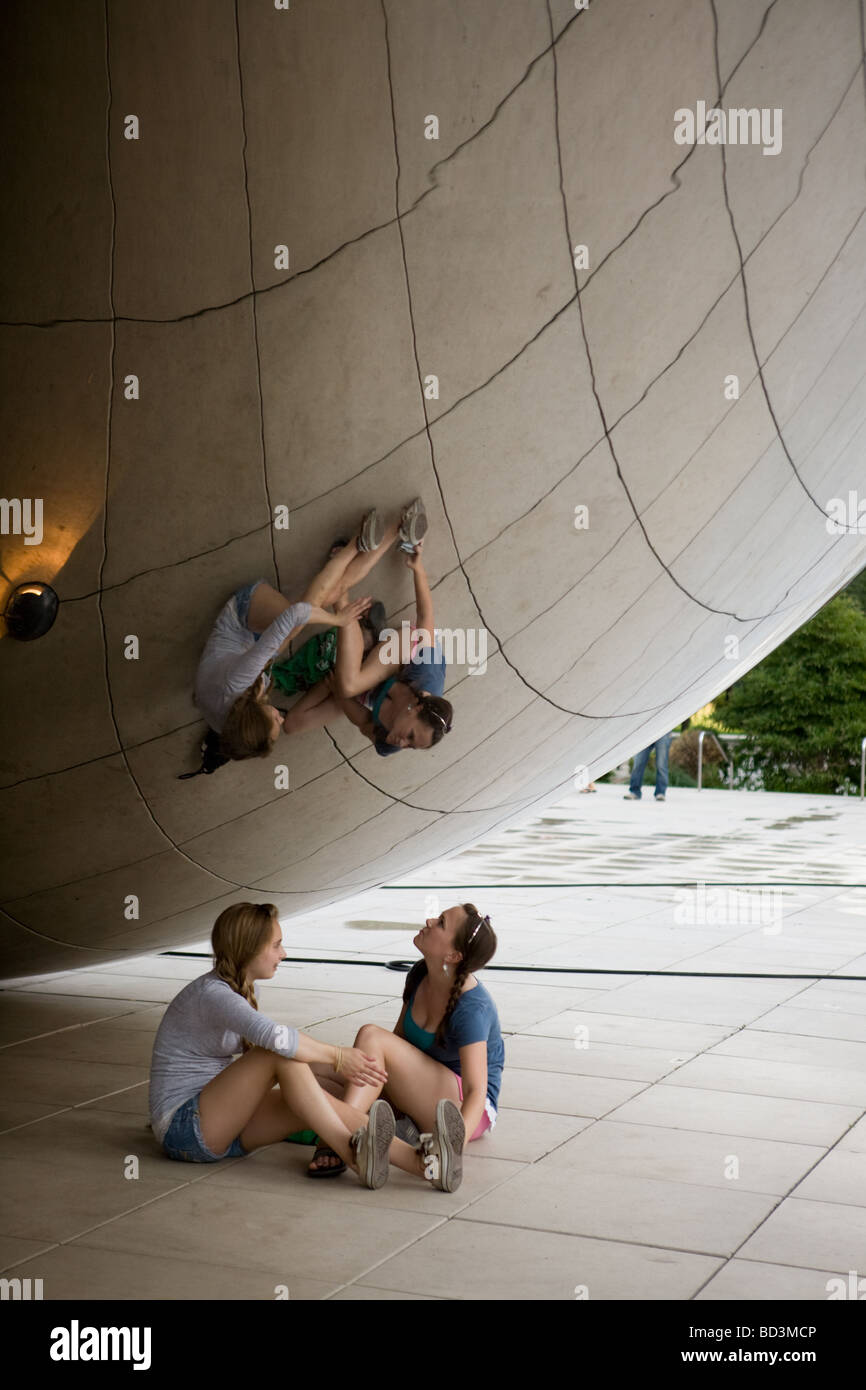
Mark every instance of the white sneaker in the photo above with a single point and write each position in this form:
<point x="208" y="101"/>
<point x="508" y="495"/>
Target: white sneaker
<point x="413" y="525"/>
<point x="442" y="1151"/>
<point x="372" y="532"/>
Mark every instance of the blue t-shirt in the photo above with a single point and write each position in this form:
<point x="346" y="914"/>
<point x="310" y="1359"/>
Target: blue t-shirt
<point x="426" y="671"/>
<point x="474" y="1019"/>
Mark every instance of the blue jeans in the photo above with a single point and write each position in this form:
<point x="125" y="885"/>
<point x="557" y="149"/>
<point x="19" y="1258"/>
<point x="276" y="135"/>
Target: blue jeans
<point x="243" y="597"/>
<point x="184" y="1140"/>
<point x="662" y="747"/>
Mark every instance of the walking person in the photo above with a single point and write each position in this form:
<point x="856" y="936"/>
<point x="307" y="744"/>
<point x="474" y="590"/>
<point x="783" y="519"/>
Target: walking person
<point x="662" y="749"/>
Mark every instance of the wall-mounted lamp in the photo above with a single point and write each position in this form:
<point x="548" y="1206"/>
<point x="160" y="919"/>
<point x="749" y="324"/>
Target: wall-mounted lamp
<point x="31" y="611"/>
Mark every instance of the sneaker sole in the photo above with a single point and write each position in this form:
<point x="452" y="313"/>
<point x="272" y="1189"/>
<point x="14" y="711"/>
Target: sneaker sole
<point x="451" y="1133"/>
<point x="372" y="532"/>
<point x="413" y="528"/>
<point x="380" y="1132"/>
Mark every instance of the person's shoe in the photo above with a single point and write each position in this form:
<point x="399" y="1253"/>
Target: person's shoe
<point x="413" y="525"/>
<point x="375" y="619"/>
<point x="371" y="1145"/>
<point x="631" y="796"/>
<point x="442" y="1151"/>
<point x="329" y="1170"/>
<point x="408" y="1131"/>
<point x="660" y="796"/>
<point x="372" y="532"/>
<point x="339" y="544"/>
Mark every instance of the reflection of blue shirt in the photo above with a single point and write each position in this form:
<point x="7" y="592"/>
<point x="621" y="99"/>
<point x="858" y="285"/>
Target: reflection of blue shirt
<point x="426" y="671"/>
<point x="474" y="1020"/>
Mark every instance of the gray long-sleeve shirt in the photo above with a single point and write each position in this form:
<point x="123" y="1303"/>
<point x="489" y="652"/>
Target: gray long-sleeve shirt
<point x="233" y="658"/>
<point x="201" y="1032"/>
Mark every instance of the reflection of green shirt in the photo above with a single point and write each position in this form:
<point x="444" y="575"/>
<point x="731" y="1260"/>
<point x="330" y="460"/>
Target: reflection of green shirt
<point x="308" y="665"/>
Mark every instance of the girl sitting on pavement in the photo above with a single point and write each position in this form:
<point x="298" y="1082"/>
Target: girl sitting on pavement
<point x="446" y="1045"/>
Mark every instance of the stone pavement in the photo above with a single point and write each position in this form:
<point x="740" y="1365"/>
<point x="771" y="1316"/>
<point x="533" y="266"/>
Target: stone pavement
<point x="661" y="1136"/>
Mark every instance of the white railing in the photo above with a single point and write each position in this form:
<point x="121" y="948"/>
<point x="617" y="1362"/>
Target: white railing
<point x="701" y="736"/>
<point x="736" y="737"/>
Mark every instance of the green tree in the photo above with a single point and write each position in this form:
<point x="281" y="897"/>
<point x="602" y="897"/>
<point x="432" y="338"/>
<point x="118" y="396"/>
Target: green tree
<point x="803" y="707"/>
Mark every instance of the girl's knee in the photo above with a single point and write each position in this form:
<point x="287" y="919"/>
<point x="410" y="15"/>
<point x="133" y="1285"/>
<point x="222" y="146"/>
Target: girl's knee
<point x="369" y="1034"/>
<point x="344" y="687"/>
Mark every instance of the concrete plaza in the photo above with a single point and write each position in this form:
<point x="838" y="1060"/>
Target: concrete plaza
<point x="661" y="1136"/>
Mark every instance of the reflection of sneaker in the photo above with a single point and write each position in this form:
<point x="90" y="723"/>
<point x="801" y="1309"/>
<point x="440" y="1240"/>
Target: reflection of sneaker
<point x="630" y="796"/>
<point x="374" y="620"/>
<point x="371" y="1145"/>
<point x="442" y="1151"/>
<point x="372" y="532"/>
<point x="413" y="525"/>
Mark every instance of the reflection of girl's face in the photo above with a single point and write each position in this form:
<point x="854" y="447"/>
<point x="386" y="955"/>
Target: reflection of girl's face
<point x="408" y="729"/>
<point x="277" y="718"/>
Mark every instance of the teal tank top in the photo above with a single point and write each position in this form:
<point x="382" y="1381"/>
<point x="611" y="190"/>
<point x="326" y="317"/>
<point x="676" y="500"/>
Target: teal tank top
<point x="419" y="1037"/>
<point x="383" y="691"/>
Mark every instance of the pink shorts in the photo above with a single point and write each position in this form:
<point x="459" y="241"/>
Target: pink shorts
<point x="488" y="1119"/>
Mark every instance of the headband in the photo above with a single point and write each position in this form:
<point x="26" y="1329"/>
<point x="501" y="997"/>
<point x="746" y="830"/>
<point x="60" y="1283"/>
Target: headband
<point x="423" y="699"/>
<point x="477" y="929"/>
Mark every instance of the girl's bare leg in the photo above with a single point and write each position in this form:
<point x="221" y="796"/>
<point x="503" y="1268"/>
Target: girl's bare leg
<point x="314" y="710"/>
<point x="266" y="604"/>
<point x="416" y="1082"/>
<point x="364" y="561"/>
<point x="350" y="656"/>
<point x="240" y="1102"/>
<point x="347" y="567"/>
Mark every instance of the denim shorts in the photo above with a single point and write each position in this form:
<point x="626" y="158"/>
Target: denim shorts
<point x="183" y="1138"/>
<point x="242" y="602"/>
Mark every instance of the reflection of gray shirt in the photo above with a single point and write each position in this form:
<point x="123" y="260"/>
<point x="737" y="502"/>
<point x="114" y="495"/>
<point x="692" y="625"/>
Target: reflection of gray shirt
<point x="234" y="658"/>
<point x="201" y="1032"/>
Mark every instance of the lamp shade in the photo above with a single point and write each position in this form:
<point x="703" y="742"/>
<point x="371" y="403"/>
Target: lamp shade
<point x="31" y="611"/>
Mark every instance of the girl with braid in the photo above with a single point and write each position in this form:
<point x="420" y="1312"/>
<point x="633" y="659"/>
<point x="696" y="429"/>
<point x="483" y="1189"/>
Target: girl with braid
<point x="446" y="1048"/>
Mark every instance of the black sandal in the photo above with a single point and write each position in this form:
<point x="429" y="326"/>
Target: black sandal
<point x="323" y="1151"/>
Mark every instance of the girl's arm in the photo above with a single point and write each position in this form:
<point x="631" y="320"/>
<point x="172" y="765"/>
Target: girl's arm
<point x="228" y="1008"/>
<point x="357" y="714"/>
<point x="322" y="615"/>
<point x="473" y="1071"/>
<point x="276" y="636"/>
<point x="355" y="1066"/>
<point x="249" y="666"/>
<point x="423" y="597"/>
